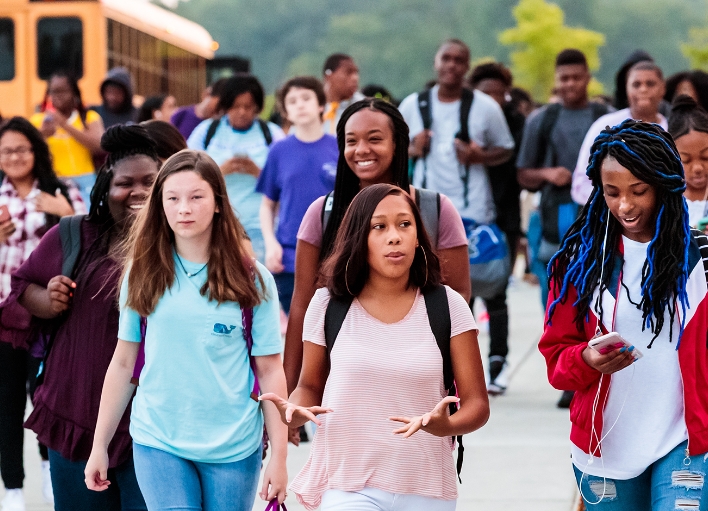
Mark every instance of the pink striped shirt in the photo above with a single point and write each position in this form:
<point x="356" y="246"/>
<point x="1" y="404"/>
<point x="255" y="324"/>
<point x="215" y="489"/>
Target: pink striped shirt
<point x="380" y="370"/>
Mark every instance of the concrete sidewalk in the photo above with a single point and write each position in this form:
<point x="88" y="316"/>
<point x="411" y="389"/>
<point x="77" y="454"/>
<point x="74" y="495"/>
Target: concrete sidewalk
<point x="519" y="461"/>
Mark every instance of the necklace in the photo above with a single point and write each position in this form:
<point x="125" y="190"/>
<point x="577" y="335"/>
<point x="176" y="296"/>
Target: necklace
<point x="179" y="259"/>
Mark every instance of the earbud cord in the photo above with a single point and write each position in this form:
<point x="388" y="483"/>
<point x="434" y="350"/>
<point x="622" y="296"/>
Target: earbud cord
<point x="593" y="433"/>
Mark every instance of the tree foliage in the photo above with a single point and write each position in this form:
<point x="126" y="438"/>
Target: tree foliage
<point x="696" y="49"/>
<point x="394" y="41"/>
<point x="539" y="36"/>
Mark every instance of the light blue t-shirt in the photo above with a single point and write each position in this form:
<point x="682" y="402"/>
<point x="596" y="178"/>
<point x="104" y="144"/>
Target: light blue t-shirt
<point x="194" y="395"/>
<point x="228" y="142"/>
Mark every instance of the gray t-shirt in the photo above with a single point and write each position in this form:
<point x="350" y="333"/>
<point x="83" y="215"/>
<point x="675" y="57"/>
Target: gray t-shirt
<point x="443" y="172"/>
<point x="566" y="138"/>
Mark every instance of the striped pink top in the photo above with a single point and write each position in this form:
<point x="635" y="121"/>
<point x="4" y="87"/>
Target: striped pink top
<point x="378" y="371"/>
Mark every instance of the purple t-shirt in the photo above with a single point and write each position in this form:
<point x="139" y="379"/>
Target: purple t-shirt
<point x="295" y="174"/>
<point x="185" y="120"/>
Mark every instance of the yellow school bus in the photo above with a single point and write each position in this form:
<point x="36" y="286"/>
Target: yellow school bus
<point x="164" y="52"/>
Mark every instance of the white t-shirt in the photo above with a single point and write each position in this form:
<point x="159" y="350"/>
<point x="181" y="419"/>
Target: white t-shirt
<point x="582" y="186"/>
<point x="697" y="209"/>
<point x="646" y="398"/>
<point x="487" y="127"/>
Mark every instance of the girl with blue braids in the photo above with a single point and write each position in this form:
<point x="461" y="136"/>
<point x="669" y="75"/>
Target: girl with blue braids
<point x="630" y="264"/>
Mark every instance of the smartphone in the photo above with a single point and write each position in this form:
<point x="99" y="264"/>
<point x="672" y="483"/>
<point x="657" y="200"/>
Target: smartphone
<point x="610" y="342"/>
<point x="4" y="213"/>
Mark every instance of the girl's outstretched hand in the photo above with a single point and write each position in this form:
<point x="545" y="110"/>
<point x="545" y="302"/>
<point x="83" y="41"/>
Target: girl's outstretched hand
<point x="434" y="422"/>
<point x="294" y="415"/>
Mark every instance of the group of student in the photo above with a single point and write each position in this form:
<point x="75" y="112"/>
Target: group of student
<point x="372" y="243"/>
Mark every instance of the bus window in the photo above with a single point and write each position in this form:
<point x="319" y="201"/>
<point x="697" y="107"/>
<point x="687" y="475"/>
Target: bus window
<point x="60" y="46"/>
<point x="7" y="49"/>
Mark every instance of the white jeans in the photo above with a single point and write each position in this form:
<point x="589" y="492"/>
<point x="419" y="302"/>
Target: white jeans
<point x="371" y="499"/>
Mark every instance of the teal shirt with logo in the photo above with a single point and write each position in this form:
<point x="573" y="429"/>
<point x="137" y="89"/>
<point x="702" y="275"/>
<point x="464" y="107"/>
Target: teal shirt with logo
<point x="194" y="395"/>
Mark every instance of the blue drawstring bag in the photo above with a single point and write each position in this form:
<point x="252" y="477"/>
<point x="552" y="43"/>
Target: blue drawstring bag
<point x="490" y="263"/>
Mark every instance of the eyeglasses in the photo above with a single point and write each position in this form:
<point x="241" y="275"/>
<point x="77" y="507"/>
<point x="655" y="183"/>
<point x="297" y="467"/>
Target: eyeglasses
<point x="22" y="152"/>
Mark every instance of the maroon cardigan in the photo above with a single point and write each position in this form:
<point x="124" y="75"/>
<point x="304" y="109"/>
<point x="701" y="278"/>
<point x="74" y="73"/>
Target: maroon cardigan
<point x="66" y="404"/>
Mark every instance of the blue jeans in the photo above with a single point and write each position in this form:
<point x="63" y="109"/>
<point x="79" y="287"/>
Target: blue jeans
<point x="71" y="494"/>
<point x="176" y="484"/>
<point x="538" y="268"/>
<point x="285" y="282"/>
<point x="667" y="484"/>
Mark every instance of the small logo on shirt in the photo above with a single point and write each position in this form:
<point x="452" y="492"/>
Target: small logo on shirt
<point x="221" y="329"/>
<point x="330" y="168"/>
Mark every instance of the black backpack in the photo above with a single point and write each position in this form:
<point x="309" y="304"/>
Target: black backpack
<point x="215" y="125"/>
<point x="464" y="134"/>
<point x="70" y="236"/>
<point x="439" y="318"/>
<point x="556" y="202"/>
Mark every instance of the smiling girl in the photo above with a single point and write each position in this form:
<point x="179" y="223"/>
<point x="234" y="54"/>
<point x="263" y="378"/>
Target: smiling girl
<point x="385" y="373"/>
<point x="688" y="125"/>
<point x="630" y="265"/>
<point x="197" y="430"/>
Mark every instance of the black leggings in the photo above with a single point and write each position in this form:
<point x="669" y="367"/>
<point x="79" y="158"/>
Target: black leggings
<point x="498" y="324"/>
<point x="16" y="367"/>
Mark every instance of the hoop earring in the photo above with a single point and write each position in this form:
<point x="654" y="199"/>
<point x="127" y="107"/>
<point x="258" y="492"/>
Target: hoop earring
<point x="346" y="280"/>
<point x="425" y="258"/>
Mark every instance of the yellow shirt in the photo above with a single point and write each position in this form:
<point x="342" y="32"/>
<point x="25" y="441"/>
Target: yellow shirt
<point x="69" y="157"/>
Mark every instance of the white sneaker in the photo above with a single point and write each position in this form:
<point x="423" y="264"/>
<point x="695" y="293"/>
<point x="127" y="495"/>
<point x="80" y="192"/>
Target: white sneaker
<point x="47" y="491"/>
<point x="14" y="500"/>
<point x="498" y="376"/>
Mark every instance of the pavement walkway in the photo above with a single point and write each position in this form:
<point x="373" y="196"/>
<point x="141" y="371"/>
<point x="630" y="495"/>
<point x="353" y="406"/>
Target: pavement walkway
<point x="519" y="461"/>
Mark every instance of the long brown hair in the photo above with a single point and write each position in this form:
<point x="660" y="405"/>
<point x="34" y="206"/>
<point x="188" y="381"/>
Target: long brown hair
<point x="149" y="262"/>
<point x="346" y="271"/>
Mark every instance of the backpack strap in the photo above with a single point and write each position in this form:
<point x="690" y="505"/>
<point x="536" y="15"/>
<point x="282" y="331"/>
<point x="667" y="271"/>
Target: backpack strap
<point x="247" y="323"/>
<point x="598" y="110"/>
<point x="439" y="319"/>
<point x="464" y="135"/>
<point x="548" y="122"/>
<point x="424" y="107"/>
<point x="428" y="203"/>
<point x="70" y="236"/>
<point x="337" y="310"/>
<point x="426" y="115"/>
<point x="266" y="131"/>
<point x="211" y="132"/>
<point x="438" y="310"/>
<point x="465" y="107"/>
<point x="702" y="241"/>
<point x="326" y="210"/>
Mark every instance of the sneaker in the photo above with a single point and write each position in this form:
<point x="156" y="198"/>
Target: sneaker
<point x="498" y="375"/>
<point x="47" y="491"/>
<point x="14" y="500"/>
<point x="566" y="398"/>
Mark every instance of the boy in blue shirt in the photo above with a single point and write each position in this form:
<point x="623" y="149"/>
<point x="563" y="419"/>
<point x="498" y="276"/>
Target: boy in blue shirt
<point x="298" y="170"/>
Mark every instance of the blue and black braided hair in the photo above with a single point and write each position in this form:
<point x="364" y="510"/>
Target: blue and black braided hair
<point x="651" y="156"/>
